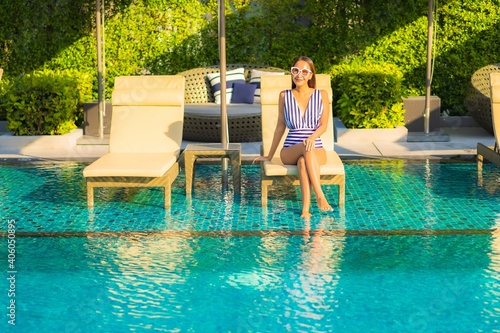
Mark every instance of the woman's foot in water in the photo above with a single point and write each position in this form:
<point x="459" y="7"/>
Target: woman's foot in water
<point x="324" y="206"/>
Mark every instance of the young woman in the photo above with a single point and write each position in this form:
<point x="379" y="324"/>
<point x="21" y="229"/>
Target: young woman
<point x="301" y="110"/>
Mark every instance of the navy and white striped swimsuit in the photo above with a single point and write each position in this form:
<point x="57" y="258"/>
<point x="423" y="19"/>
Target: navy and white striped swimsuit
<point x="300" y="128"/>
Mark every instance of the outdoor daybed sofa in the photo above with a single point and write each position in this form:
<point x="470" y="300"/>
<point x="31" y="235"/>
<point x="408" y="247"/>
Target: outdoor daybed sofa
<point x="478" y="99"/>
<point x="202" y="120"/>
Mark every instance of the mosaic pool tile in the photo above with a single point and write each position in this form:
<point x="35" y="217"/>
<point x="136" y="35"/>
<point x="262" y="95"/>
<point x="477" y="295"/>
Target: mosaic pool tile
<point x="380" y="196"/>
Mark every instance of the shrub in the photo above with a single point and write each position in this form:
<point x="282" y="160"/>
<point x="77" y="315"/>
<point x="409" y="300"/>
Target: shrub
<point x="44" y="103"/>
<point x="4" y="88"/>
<point x="368" y="95"/>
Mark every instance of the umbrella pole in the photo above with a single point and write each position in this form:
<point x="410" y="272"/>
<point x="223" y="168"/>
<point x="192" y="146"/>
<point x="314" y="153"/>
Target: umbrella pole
<point x="427" y="136"/>
<point x="428" y="80"/>
<point x="223" y="103"/>
<point x="99" y="70"/>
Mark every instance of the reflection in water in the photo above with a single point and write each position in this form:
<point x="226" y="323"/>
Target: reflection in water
<point x="428" y="197"/>
<point x="264" y="275"/>
<point x="314" y="282"/>
<point x="91" y="214"/>
<point x="317" y="276"/>
<point x="492" y="274"/>
<point x="296" y="276"/>
<point x="489" y="180"/>
<point x="142" y="274"/>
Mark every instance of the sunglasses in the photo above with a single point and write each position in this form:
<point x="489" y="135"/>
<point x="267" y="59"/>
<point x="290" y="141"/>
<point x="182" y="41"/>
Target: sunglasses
<point x="296" y="71"/>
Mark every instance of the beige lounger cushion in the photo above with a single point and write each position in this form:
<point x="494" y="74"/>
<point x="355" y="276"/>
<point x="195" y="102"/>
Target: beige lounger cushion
<point x="141" y="90"/>
<point x="333" y="166"/>
<point x="131" y="165"/>
<point x="151" y="129"/>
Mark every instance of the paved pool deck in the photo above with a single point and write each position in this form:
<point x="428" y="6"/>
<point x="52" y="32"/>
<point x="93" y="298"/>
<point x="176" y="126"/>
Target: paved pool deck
<point x="459" y="142"/>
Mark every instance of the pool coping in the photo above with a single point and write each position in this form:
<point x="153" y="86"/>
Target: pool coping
<point x="462" y="144"/>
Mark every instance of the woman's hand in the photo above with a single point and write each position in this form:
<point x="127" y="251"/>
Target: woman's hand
<point x="261" y="159"/>
<point x="309" y="144"/>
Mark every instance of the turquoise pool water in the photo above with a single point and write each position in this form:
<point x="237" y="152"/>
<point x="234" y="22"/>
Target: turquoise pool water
<point x="414" y="250"/>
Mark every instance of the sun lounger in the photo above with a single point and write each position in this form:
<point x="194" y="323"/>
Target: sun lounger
<point x="145" y="136"/>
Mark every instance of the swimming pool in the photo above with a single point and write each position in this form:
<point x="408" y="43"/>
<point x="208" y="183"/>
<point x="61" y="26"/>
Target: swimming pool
<point x="414" y="250"/>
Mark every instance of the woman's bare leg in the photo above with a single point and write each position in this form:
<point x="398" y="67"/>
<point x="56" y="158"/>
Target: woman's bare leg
<point x="313" y="169"/>
<point x="305" y="187"/>
<point x="313" y="159"/>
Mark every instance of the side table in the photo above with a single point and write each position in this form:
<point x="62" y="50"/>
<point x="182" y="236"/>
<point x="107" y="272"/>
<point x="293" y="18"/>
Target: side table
<point x="208" y="150"/>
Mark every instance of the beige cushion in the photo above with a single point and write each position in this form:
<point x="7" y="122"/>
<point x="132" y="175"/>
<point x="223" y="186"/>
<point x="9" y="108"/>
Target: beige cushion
<point x="131" y="165"/>
<point x="333" y="166"/>
<point x="495" y="105"/>
<point x="146" y="129"/>
<point x="148" y="90"/>
<point x="255" y="76"/>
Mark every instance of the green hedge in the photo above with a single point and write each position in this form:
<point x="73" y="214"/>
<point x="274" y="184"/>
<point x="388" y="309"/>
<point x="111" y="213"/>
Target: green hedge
<point x="44" y="103"/>
<point x="467" y="34"/>
<point x="170" y="36"/>
<point x="370" y="95"/>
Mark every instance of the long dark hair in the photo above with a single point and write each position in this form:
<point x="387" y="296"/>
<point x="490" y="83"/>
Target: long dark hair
<point x="312" y="82"/>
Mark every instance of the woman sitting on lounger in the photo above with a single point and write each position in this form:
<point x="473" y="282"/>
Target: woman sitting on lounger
<point x="301" y="110"/>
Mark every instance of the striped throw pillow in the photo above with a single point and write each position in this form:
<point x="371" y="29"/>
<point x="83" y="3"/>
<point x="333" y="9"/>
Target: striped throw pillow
<point x="235" y="75"/>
